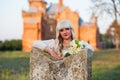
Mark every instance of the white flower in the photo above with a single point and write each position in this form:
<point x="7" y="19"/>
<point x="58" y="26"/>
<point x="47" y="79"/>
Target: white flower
<point x="76" y="46"/>
<point x="72" y="44"/>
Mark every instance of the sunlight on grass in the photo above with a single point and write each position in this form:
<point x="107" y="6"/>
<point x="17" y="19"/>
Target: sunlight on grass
<point x="106" y="65"/>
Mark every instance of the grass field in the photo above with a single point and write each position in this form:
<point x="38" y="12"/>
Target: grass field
<point x="106" y="65"/>
<point x="14" y="65"/>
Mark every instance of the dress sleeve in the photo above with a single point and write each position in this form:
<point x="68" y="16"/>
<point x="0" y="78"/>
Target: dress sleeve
<point x="42" y="44"/>
<point x="88" y="46"/>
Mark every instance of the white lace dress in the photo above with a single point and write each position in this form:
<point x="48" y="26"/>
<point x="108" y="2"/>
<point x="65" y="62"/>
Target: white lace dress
<point x="42" y="44"/>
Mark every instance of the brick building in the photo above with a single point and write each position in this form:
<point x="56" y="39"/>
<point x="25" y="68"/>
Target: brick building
<point x="40" y="22"/>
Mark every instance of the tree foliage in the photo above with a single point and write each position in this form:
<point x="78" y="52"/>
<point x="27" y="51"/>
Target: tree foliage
<point x="111" y="9"/>
<point x="11" y="45"/>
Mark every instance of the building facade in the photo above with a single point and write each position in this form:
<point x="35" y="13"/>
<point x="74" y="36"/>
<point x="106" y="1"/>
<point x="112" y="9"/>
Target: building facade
<point x="40" y="23"/>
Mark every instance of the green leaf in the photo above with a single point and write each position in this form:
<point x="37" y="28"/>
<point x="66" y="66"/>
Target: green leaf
<point x="67" y="54"/>
<point x="77" y="42"/>
<point x="83" y="46"/>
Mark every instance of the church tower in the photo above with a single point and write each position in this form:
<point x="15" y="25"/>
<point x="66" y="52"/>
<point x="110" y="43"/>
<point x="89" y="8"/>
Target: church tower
<point x="32" y="23"/>
<point x="60" y="4"/>
<point x="93" y="19"/>
<point x="95" y="30"/>
<point x="40" y="5"/>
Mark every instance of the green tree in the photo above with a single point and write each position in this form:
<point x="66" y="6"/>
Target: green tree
<point x="11" y="45"/>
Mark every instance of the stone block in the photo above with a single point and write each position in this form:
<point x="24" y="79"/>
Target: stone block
<point x="74" y="67"/>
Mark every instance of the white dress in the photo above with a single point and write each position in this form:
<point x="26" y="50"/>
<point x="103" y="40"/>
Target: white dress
<point x="42" y="44"/>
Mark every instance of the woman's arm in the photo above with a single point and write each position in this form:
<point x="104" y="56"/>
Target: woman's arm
<point x="88" y="46"/>
<point x="42" y="44"/>
<point x="53" y="53"/>
<point x="48" y="46"/>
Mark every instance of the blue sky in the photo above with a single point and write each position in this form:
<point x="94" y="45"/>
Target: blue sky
<point x="11" y="22"/>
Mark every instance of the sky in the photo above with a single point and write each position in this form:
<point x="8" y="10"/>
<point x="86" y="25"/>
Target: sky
<point x="11" y="21"/>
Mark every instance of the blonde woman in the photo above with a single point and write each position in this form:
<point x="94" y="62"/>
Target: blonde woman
<point x="60" y="46"/>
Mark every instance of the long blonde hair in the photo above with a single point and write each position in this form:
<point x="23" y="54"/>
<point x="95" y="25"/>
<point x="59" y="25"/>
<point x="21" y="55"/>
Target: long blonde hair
<point x="59" y="39"/>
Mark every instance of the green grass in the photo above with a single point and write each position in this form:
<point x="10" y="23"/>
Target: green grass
<point x="106" y="65"/>
<point x="14" y="65"/>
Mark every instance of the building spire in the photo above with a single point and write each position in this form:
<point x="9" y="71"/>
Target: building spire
<point x="60" y="4"/>
<point x="94" y="19"/>
<point x="37" y="0"/>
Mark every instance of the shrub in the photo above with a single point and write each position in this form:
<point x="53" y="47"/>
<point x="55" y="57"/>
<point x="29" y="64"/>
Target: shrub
<point x="11" y="45"/>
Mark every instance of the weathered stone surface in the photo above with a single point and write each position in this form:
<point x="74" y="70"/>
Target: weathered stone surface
<point x="74" y="67"/>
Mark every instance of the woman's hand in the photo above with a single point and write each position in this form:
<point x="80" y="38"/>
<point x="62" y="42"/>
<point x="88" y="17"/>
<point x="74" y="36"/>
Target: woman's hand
<point x="54" y="54"/>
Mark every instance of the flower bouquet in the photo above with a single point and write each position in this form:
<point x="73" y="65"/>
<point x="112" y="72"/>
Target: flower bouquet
<point x="75" y="47"/>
